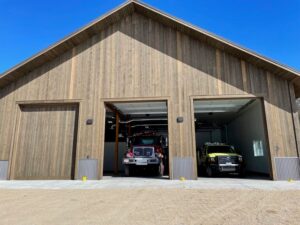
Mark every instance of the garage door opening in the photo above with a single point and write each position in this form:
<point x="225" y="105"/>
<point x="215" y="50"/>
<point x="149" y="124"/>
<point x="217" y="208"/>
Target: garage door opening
<point x="136" y="139"/>
<point x="231" y="138"/>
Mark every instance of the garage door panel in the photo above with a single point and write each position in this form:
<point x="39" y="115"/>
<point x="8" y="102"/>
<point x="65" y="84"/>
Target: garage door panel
<point x="45" y="142"/>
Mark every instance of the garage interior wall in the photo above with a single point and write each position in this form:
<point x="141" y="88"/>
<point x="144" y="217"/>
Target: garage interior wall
<point x="246" y="130"/>
<point x="109" y="148"/>
<point x="211" y="135"/>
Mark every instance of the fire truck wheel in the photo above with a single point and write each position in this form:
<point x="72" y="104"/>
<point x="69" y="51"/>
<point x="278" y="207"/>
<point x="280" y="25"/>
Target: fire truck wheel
<point x="127" y="171"/>
<point x="209" y="172"/>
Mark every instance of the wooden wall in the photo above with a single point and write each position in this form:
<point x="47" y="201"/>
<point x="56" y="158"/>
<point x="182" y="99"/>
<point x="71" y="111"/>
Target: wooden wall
<point x="45" y="146"/>
<point x="139" y="58"/>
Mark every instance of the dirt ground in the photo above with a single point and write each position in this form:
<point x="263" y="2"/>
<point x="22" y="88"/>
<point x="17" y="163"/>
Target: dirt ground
<point x="149" y="206"/>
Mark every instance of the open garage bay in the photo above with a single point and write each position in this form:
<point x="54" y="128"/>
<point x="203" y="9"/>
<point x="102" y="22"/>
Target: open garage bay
<point x="136" y="139"/>
<point x="231" y="138"/>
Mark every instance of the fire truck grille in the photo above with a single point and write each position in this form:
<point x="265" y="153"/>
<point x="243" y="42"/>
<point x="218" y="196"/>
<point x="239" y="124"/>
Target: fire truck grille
<point x="143" y="151"/>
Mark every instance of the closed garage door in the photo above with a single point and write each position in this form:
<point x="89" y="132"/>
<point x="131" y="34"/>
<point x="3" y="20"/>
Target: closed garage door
<point x="45" y="146"/>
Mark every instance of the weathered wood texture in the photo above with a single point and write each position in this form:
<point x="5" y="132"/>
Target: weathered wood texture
<point x="45" y="143"/>
<point x="138" y="57"/>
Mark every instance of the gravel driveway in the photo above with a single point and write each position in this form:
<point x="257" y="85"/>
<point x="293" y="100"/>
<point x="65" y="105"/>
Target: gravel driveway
<point x="137" y="201"/>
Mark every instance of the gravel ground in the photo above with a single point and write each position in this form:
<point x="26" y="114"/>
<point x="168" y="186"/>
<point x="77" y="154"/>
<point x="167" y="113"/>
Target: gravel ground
<point x="125" y="201"/>
<point x="149" y="206"/>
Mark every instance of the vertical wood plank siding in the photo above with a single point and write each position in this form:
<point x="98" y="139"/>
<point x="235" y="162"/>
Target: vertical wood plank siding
<point x="138" y="57"/>
<point x="45" y="143"/>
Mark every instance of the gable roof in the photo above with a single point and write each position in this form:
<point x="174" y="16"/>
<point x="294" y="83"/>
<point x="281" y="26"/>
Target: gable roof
<point x="128" y="7"/>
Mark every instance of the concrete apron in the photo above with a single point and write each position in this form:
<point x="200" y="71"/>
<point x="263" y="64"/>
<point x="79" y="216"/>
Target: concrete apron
<point x="153" y="183"/>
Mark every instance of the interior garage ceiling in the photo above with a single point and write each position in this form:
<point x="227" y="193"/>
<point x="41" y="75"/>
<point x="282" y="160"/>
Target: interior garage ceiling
<point x="141" y="115"/>
<point x="134" y="109"/>
<point x="219" y="106"/>
<point x="219" y="111"/>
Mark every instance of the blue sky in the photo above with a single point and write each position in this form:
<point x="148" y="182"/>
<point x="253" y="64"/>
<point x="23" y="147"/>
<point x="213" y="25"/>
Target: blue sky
<point x="268" y="27"/>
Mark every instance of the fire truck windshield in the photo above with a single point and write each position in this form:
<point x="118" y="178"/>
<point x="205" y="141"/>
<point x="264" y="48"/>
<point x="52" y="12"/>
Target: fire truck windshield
<point x="148" y="140"/>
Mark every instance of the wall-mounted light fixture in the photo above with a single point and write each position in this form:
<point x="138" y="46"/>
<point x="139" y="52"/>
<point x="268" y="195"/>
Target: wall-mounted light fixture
<point x="179" y="119"/>
<point x="89" y="121"/>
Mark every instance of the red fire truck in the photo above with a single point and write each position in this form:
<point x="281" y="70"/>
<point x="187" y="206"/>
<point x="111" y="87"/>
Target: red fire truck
<point x="145" y="151"/>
